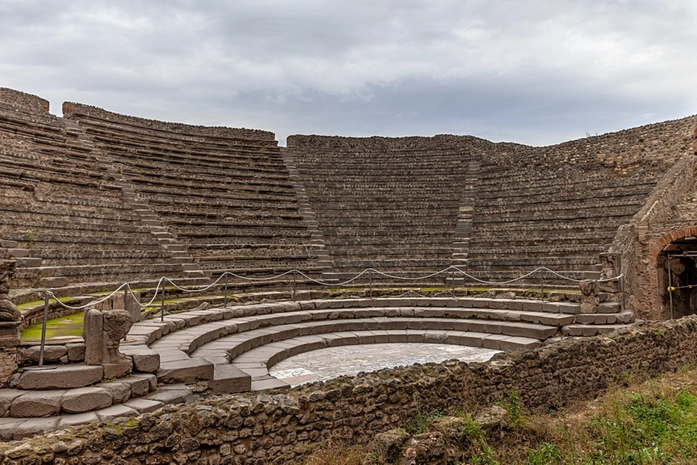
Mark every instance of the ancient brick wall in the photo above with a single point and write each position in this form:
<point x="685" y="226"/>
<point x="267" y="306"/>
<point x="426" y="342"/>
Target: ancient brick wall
<point x="71" y="110"/>
<point x="657" y="223"/>
<point x="23" y="101"/>
<point x="258" y="429"/>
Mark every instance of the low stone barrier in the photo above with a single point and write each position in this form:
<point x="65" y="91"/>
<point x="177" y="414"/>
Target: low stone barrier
<point x="256" y="429"/>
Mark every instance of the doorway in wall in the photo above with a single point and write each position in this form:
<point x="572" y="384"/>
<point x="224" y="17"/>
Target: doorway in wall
<point x="677" y="268"/>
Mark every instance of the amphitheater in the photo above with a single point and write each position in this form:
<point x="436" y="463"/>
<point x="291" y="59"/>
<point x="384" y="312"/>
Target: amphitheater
<point x="230" y="254"/>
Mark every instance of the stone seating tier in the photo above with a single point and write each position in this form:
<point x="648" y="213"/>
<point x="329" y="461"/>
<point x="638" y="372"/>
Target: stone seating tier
<point x="123" y="124"/>
<point x="579" y="193"/>
<point x="173" y="183"/>
<point x="196" y="346"/>
<point x="175" y="144"/>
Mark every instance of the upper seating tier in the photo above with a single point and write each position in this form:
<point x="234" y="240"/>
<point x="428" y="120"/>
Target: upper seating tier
<point x="217" y="191"/>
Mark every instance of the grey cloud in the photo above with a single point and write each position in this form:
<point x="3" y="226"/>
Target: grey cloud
<point x="531" y="71"/>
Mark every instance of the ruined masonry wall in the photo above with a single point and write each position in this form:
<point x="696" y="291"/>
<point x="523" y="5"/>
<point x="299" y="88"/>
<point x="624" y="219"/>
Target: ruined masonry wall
<point x="26" y="102"/>
<point x="70" y="109"/>
<point x="262" y="428"/>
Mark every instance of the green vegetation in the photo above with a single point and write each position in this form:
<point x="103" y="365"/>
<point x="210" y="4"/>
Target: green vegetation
<point x="651" y="422"/>
<point x="67" y="326"/>
<point x="35" y="303"/>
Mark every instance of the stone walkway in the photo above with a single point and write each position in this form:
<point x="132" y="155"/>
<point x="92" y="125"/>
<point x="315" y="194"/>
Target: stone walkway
<point x="326" y="364"/>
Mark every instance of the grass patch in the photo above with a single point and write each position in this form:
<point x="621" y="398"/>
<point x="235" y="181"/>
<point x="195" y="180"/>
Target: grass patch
<point x="648" y="422"/>
<point x="34" y="303"/>
<point x="67" y="326"/>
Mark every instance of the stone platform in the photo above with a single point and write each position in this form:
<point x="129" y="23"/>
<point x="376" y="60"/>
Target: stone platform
<point x="232" y="350"/>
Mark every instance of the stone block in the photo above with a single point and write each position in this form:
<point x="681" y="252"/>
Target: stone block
<point x="609" y="307"/>
<point x="37" y="404"/>
<point x="8" y="426"/>
<point x="116" y="370"/>
<point x="140" y="384"/>
<point x="86" y="400"/>
<point x="569" y="309"/>
<point x="146" y="361"/>
<point x="7" y="396"/>
<point x="61" y="377"/>
<point x="115" y="411"/>
<point x="52" y="353"/>
<point x="34" y="426"/>
<point x="171" y="396"/>
<point x="266" y="384"/>
<point x="516" y="343"/>
<point x="185" y="371"/>
<point x="53" y="282"/>
<point x="143" y="405"/>
<point x="228" y="379"/>
<point x="120" y="392"/>
<point x="87" y="418"/>
<point x="18" y="253"/>
<point x="76" y="351"/>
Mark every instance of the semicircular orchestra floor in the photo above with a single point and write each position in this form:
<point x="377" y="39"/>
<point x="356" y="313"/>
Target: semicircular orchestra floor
<point x="330" y="363"/>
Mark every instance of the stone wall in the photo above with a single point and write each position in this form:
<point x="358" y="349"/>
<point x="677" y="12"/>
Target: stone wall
<point x="636" y="241"/>
<point x="259" y="429"/>
<point x="71" y="109"/>
<point x="26" y="102"/>
<point x="9" y="323"/>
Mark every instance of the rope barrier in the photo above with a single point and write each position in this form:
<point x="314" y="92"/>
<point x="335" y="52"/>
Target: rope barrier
<point x="161" y="282"/>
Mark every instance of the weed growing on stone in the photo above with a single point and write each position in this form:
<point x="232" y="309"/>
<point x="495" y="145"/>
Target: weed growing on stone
<point x="645" y="422"/>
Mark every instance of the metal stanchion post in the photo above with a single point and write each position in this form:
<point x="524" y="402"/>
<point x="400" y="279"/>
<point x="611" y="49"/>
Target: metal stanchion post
<point x="452" y="282"/>
<point x="624" y="294"/>
<point x="542" y="285"/>
<point x="125" y="298"/>
<point x="670" y="287"/>
<point x="225" y="292"/>
<point x="371" y="283"/>
<point x="294" y="287"/>
<point x="43" y="331"/>
<point x="162" y="306"/>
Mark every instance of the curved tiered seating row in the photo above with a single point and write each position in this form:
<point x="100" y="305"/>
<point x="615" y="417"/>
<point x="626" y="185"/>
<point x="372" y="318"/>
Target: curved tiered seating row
<point x="224" y="194"/>
<point x="64" y="220"/>
<point x="231" y="350"/>
<point x="386" y="203"/>
<point x="561" y="206"/>
<point x="191" y="352"/>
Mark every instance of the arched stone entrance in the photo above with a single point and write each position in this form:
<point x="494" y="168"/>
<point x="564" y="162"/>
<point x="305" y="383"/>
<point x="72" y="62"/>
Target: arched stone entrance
<point x="677" y="274"/>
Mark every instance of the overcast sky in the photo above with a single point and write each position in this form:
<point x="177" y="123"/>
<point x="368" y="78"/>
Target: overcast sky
<point x="534" y="72"/>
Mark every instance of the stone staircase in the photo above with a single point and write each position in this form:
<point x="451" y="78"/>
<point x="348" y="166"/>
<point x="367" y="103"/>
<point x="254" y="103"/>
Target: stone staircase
<point x="310" y="219"/>
<point x="177" y="250"/>
<point x="464" y="216"/>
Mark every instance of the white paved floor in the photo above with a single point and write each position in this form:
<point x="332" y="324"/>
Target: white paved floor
<point x="325" y="364"/>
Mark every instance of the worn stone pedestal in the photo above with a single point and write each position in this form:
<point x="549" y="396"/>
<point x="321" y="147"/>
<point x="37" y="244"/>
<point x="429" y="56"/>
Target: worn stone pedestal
<point x="103" y="331"/>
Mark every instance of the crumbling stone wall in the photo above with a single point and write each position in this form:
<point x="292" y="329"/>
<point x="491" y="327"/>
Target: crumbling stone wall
<point x="72" y="109"/>
<point x="9" y="323"/>
<point x="26" y="102"/>
<point x="258" y="429"/>
<point x="655" y="225"/>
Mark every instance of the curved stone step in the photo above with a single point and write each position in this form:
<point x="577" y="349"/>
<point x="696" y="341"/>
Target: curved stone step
<point x="12" y="428"/>
<point x="20" y="403"/>
<point x="237" y="344"/>
<point x="57" y="377"/>
<point x="591" y="330"/>
<point x="258" y="361"/>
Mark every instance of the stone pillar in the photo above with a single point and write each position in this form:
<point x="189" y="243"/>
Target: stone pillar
<point x="103" y="331"/>
<point x="10" y="319"/>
